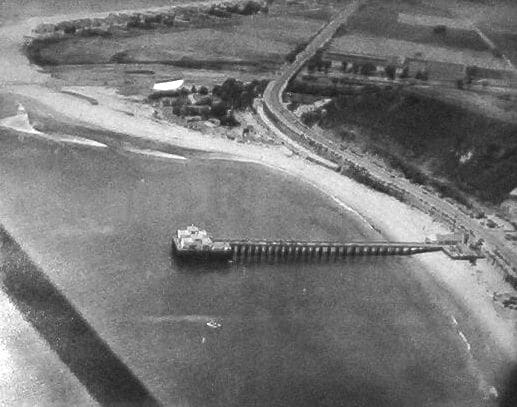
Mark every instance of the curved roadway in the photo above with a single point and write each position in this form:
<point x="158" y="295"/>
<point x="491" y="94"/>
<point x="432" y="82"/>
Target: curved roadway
<point x="291" y="128"/>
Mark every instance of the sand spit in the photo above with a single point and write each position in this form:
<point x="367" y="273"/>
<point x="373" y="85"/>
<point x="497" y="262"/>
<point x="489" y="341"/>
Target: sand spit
<point x="21" y="124"/>
<point x="154" y="153"/>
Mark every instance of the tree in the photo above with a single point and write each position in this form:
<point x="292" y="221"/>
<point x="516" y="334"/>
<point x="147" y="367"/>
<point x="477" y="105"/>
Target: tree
<point x="390" y="71"/>
<point x="421" y="75"/>
<point x="216" y="90"/>
<point x="440" y="29"/>
<point x="219" y="109"/>
<point x="326" y="64"/>
<point x="229" y="120"/>
<point x="368" y="69"/>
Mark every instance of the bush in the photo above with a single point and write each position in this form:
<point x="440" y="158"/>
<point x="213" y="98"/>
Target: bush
<point x="239" y="95"/>
<point x="229" y="120"/>
<point x="291" y="56"/>
<point x="422" y="75"/>
<point x="440" y="29"/>
<point x="219" y="109"/>
<point x="120" y="57"/>
<point x="368" y="69"/>
<point x="390" y="71"/>
<point x="310" y="118"/>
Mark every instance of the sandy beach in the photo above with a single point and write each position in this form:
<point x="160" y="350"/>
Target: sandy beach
<point x="469" y="286"/>
<point x="473" y="285"/>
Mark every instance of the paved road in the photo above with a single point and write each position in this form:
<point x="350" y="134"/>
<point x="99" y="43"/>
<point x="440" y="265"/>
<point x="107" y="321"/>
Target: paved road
<point x="288" y="124"/>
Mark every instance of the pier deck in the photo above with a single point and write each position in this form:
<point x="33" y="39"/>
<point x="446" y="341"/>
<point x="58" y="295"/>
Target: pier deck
<point x="271" y="249"/>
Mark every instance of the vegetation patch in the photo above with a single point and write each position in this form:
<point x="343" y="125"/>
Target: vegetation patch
<point x="220" y="103"/>
<point x="432" y="141"/>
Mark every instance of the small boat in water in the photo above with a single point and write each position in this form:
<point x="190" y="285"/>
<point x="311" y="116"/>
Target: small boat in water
<point x="213" y="324"/>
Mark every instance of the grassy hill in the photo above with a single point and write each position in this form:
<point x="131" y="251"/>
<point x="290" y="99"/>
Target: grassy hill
<point x="475" y="153"/>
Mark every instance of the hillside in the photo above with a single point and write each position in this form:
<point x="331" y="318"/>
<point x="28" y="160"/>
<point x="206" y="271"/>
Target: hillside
<point x="476" y="153"/>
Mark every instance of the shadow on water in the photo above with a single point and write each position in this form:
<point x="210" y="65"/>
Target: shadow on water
<point x="200" y="265"/>
<point x="89" y="358"/>
<point x="508" y="397"/>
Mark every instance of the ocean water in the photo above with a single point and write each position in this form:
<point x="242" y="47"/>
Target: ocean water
<point x="358" y="332"/>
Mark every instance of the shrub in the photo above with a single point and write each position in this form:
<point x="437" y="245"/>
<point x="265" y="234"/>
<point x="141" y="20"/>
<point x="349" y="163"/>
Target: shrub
<point x="368" y="69"/>
<point x="120" y="57"/>
<point x="422" y="75"/>
<point x="291" y="56"/>
<point x="440" y="29"/>
<point x="390" y="71"/>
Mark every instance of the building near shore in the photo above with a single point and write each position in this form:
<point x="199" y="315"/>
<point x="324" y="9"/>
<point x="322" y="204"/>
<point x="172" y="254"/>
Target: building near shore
<point x="168" y="85"/>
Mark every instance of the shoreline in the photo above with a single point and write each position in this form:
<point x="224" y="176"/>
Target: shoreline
<point x="394" y="219"/>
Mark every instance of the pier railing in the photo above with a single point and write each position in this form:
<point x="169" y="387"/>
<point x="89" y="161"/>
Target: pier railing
<point x="289" y="249"/>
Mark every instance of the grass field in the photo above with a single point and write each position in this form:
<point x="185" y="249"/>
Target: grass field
<point x="253" y="38"/>
<point x="7" y="106"/>
<point x="380" y="19"/>
<point x="244" y="47"/>
<point x="507" y="42"/>
<point x="380" y="46"/>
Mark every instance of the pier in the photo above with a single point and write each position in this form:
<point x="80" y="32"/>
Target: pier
<point x="299" y="250"/>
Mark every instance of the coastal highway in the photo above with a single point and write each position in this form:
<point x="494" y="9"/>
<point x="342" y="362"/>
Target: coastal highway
<point x="290" y="129"/>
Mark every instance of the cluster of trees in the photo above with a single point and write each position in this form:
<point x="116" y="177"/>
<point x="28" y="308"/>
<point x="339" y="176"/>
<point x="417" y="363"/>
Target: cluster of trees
<point x="318" y="63"/>
<point x="239" y="95"/>
<point x="291" y="56"/>
<point x="311" y="117"/>
<point x="369" y="68"/>
<point x="224" y="99"/>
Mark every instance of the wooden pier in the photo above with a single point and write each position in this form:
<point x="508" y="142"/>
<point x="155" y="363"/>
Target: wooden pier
<point x="297" y="250"/>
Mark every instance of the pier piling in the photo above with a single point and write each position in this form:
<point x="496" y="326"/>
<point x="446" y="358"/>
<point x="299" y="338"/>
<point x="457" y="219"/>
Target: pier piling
<point x="257" y="250"/>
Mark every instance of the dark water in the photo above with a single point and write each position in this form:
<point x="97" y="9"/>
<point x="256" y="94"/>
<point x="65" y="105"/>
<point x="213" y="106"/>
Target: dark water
<point x="360" y="332"/>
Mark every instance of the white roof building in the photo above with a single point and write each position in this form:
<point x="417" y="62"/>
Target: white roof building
<point x="169" y="85"/>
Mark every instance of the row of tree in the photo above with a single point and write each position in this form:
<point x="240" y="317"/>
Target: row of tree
<point x="367" y="69"/>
